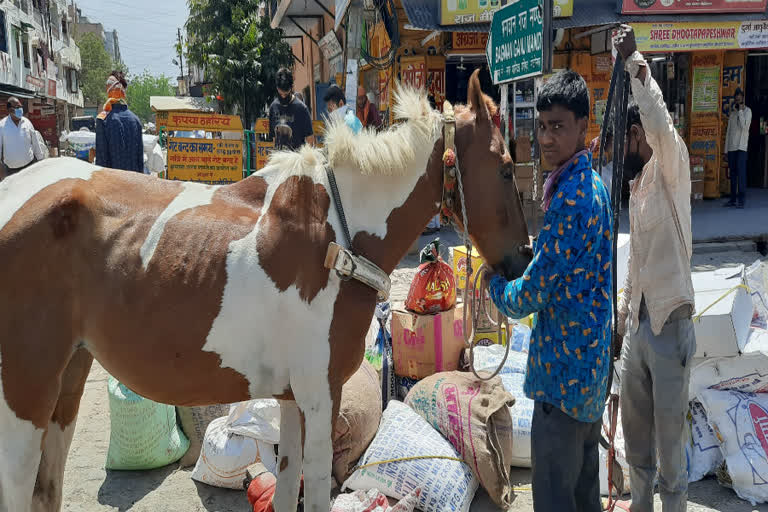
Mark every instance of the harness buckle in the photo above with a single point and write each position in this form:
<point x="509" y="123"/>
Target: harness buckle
<point x="348" y="266"/>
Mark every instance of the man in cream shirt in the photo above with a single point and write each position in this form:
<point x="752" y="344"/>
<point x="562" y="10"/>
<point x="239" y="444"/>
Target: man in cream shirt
<point x="19" y="144"/>
<point x="658" y="301"/>
<point x="736" y="142"/>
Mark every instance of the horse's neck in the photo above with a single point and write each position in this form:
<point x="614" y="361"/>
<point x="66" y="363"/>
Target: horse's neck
<point x="387" y="213"/>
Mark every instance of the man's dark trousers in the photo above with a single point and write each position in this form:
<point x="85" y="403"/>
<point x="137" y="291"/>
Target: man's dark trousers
<point x="737" y="163"/>
<point x="564" y="461"/>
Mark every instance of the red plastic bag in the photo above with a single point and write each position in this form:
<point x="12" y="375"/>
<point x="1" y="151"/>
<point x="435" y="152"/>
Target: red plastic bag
<point x="433" y="288"/>
<point x="261" y="491"/>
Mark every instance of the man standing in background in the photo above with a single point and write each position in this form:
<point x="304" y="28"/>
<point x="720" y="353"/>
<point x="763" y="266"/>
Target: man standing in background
<point x="736" y="141"/>
<point x="19" y="144"/>
<point x="367" y="112"/>
<point x="290" y="124"/>
<point x="119" y="144"/>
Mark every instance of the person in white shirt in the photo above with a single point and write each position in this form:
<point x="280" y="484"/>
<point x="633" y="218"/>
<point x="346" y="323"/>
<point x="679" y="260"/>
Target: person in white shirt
<point x="19" y="145"/>
<point x="656" y="307"/>
<point x="736" y="141"/>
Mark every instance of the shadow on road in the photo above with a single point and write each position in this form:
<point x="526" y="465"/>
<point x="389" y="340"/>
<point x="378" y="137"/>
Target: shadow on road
<point x="215" y="499"/>
<point x="122" y="489"/>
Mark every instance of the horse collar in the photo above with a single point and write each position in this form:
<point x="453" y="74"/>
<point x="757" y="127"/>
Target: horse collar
<point x="344" y="261"/>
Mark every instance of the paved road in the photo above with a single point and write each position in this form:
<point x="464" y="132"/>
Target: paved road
<point x="89" y="488"/>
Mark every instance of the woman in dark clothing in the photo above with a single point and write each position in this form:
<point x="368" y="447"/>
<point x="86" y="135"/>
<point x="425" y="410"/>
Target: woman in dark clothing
<point x="119" y="143"/>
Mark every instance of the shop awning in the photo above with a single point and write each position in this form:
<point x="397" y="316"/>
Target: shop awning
<point x="297" y="17"/>
<point x="425" y="15"/>
<point x="181" y="104"/>
<point x="19" y="92"/>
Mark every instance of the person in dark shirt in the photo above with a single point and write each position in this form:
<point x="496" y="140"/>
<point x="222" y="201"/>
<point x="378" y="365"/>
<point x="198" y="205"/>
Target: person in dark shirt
<point x="119" y="143"/>
<point x="290" y="124"/>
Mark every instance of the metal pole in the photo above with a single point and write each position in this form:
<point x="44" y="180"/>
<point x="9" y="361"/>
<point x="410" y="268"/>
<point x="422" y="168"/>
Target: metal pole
<point x="354" y="26"/>
<point x="505" y="113"/>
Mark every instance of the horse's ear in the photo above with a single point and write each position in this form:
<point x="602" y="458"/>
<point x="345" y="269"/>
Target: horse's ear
<point x="475" y="97"/>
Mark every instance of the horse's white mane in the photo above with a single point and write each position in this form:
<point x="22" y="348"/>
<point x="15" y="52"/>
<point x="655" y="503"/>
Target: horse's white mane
<point x="386" y="153"/>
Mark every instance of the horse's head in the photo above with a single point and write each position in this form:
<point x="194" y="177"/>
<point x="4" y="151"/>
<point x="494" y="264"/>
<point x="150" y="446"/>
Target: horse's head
<point x="494" y="213"/>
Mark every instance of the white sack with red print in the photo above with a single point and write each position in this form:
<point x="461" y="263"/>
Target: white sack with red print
<point x="740" y="422"/>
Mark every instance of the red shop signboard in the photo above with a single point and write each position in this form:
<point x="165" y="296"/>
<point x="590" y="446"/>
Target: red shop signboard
<point x="691" y="6"/>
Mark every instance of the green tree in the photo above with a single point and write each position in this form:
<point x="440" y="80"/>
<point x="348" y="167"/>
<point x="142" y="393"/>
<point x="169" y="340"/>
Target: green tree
<point x="97" y="64"/>
<point x="142" y="87"/>
<point x="239" y="51"/>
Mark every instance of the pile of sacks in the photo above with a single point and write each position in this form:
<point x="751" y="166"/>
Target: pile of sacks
<point x="486" y="425"/>
<point x="727" y="427"/>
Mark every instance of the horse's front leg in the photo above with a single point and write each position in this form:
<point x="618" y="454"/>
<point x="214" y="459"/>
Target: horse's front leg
<point x="289" y="458"/>
<point x="318" y="402"/>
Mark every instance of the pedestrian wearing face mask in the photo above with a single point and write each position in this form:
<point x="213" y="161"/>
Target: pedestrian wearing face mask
<point x="658" y="300"/>
<point x="290" y="124"/>
<point x="19" y="145"/>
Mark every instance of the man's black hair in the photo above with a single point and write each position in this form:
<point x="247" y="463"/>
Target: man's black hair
<point x="284" y="79"/>
<point x="11" y="102"/>
<point x="738" y="92"/>
<point x="334" y="94"/>
<point x="567" y="89"/>
<point x="633" y="116"/>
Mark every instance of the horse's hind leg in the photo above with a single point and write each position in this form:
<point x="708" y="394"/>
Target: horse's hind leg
<point x="289" y="458"/>
<point x="50" y="477"/>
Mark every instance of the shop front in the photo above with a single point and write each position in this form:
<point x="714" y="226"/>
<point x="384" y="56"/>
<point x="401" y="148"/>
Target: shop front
<point x="699" y="66"/>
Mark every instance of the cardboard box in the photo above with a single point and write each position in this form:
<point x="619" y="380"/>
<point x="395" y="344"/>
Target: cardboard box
<point x="723" y="328"/>
<point x="697" y="190"/>
<point x="423" y="345"/>
<point x="486" y="338"/>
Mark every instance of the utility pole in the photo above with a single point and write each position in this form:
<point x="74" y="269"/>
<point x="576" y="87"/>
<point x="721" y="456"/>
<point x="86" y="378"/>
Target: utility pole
<point x="181" y="53"/>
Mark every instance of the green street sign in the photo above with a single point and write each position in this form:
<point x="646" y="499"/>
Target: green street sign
<point x="515" y="47"/>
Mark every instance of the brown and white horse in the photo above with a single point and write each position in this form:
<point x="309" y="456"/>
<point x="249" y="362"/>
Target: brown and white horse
<point x="193" y="294"/>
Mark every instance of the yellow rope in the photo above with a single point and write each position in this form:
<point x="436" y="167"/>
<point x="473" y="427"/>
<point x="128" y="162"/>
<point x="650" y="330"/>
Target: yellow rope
<point x="698" y="317"/>
<point x="406" y="459"/>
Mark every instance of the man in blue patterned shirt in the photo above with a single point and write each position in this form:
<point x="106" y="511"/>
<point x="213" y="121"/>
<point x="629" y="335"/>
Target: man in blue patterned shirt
<point x="568" y="287"/>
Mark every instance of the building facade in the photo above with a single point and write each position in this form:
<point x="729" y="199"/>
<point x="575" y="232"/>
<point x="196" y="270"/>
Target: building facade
<point x="40" y="63"/>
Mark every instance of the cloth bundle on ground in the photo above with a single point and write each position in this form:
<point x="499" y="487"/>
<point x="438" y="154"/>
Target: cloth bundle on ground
<point x="473" y="415"/>
<point x="433" y="288"/>
<point x="194" y="422"/>
<point x="143" y="434"/>
<point x="226" y="455"/>
<point x="407" y="453"/>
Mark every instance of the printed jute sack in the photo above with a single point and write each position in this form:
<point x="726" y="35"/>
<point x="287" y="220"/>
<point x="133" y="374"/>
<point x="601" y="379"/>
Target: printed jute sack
<point x="474" y="417"/>
<point x="446" y="485"/>
<point x="740" y="422"/>
<point x="358" y="421"/>
<point x="144" y="434"/>
<point x="194" y="421"/>
<point x="513" y="378"/>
